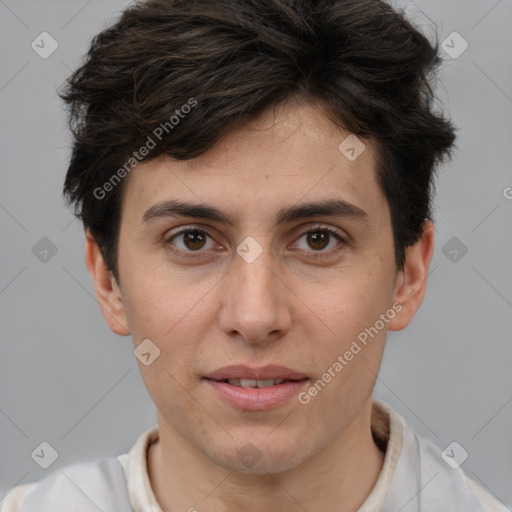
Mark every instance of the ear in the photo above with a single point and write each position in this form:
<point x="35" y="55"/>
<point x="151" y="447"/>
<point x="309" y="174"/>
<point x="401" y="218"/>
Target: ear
<point x="411" y="282"/>
<point x="107" y="290"/>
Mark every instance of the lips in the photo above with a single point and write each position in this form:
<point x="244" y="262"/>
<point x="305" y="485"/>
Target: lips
<point x="256" y="389"/>
<point x="247" y="373"/>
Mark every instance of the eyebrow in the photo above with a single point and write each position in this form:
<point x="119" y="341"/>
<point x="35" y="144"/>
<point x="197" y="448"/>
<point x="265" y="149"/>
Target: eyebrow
<point x="326" y="208"/>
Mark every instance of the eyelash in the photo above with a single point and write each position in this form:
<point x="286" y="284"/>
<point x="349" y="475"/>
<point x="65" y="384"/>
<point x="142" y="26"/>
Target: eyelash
<point x="197" y="254"/>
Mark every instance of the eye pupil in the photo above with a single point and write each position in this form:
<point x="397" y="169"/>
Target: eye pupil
<point x="194" y="236"/>
<point x="316" y="237"/>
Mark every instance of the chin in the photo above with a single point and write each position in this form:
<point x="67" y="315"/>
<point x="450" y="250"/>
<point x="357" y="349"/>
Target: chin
<point x="259" y="456"/>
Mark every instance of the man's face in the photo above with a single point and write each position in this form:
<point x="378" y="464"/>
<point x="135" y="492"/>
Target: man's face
<point x="208" y="300"/>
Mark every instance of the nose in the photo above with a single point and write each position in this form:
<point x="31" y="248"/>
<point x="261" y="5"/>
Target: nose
<point x="256" y="303"/>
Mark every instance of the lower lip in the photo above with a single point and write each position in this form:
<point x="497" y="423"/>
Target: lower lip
<point x="257" y="399"/>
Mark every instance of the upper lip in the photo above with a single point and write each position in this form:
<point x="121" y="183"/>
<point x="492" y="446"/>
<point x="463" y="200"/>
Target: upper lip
<point x="263" y="373"/>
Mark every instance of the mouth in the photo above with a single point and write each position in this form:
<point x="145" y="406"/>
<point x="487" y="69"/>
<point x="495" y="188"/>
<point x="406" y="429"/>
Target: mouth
<point x="255" y="389"/>
<point x="257" y="383"/>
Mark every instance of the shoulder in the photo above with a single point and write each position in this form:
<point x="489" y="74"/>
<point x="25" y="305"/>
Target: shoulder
<point x="13" y="499"/>
<point x="488" y="501"/>
<point x="103" y="485"/>
<point x="454" y="479"/>
<point x="99" y="485"/>
<point x="437" y="482"/>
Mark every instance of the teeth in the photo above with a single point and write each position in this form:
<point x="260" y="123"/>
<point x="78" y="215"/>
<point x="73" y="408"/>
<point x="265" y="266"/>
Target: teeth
<point x="253" y="383"/>
<point x="265" y="383"/>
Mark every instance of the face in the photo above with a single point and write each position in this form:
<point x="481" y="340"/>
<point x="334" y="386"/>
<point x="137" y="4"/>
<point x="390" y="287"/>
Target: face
<point x="263" y="289"/>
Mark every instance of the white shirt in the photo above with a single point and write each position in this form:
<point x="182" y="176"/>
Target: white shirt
<point x="414" y="478"/>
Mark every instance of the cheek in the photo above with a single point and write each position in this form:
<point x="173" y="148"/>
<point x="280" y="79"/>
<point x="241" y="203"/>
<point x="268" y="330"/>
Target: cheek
<point x="353" y="315"/>
<point x="345" y="306"/>
<point x="158" y="301"/>
<point x="168" y="317"/>
<point x="176" y="315"/>
<point x="347" y="370"/>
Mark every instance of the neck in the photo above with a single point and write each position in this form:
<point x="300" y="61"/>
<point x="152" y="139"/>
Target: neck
<point x="339" y="477"/>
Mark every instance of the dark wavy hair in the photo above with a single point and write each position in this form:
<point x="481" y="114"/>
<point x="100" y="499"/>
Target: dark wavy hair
<point x="361" y="58"/>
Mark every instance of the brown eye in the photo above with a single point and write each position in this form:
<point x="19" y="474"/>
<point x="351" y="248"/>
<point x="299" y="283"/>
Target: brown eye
<point x="318" y="240"/>
<point x="193" y="240"/>
<point x="190" y="242"/>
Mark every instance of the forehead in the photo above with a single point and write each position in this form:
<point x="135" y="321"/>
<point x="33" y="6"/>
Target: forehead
<point x="291" y="154"/>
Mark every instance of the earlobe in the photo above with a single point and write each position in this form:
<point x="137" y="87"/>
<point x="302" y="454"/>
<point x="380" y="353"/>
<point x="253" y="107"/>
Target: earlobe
<point x="107" y="290"/>
<point x="411" y="283"/>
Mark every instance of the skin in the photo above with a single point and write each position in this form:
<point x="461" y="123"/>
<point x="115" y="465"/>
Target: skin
<point x="284" y="308"/>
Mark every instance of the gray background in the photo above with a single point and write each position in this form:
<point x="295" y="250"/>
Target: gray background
<point x="67" y="380"/>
